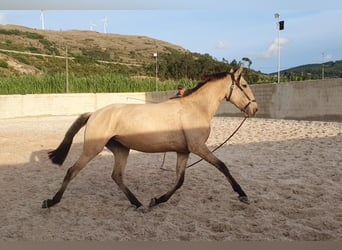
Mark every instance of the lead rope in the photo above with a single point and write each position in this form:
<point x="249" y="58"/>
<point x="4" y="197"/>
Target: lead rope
<point x="225" y="141"/>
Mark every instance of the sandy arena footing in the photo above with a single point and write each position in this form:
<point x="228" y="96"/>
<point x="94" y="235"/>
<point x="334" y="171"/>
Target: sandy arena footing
<point x="291" y="171"/>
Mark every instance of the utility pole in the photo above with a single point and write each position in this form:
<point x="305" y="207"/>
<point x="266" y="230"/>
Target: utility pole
<point x="156" y="56"/>
<point x="280" y="26"/>
<point x="66" y="70"/>
<point x="323" y="65"/>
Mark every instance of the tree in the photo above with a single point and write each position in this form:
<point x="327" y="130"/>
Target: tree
<point x="234" y="64"/>
<point x="246" y="59"/>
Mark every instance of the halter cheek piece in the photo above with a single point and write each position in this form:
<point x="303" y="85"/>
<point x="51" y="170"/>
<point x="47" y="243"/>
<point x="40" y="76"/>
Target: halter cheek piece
<point x="232" y="87"/>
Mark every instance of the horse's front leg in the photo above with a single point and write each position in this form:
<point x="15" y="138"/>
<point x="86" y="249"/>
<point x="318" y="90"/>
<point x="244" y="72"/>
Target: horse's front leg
<point x="182" y="159"/>
<point x="207" y="155"/>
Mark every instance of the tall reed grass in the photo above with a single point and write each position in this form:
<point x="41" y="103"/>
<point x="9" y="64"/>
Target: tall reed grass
<point x="56" y="83"/>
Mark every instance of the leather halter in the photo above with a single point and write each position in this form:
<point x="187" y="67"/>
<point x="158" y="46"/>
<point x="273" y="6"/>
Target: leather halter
<point x="232" y="87"/>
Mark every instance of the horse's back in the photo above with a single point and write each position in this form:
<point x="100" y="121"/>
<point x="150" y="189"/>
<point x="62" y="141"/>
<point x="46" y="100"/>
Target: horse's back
<point x="144" y="127"/>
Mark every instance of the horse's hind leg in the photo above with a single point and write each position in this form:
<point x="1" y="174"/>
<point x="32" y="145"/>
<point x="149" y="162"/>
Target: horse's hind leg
<point x="91" y="148"/>
<point x="71" y="173"/>
<point x="121" y="154"/>
<point x="182" y="159"/>
<point x="205" y="153"/>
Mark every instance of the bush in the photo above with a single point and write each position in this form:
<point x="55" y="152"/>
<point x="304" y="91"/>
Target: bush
<point x="3" y="64"/>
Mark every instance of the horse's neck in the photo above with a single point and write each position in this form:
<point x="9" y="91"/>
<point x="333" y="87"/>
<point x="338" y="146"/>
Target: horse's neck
<point x="210" y="96"/>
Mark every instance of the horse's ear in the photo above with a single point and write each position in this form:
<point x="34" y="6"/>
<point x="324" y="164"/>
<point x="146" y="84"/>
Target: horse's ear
<point x="238" y="72"/>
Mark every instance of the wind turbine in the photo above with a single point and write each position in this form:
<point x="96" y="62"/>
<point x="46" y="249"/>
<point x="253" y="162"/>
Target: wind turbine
<point x="42" y="19"/>
<point x="92" y="25"/>
<point x="105" y="23"/>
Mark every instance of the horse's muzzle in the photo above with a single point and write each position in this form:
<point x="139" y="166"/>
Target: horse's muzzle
<point x="250" y="109"/>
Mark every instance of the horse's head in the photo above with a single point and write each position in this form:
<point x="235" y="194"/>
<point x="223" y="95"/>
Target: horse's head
<point x="240" y="94"/>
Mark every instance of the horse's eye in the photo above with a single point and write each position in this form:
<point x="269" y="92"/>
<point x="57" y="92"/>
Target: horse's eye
<point x="244" y="85"/>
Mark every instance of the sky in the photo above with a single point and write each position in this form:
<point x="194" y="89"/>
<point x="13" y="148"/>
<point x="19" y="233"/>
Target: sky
<point x="222" y="28"/>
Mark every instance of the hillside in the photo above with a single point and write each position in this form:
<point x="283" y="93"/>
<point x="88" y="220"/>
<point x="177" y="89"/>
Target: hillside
<point x="34" y="61"/>
<point x="25" y="51"/>
<point x="313" y="71"/>
<point x="84" y="46"/>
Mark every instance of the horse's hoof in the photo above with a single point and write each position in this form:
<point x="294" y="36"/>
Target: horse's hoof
<point x="244" y="199"/>
<point x="153" y="202"/>
<point x="45" y="204"/>
<point x="142" y="209"/>
<point x="48" y="203"/>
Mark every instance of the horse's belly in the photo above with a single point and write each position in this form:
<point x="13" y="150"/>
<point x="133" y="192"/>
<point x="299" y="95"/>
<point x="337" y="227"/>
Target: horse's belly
<point x="152" y="144"/>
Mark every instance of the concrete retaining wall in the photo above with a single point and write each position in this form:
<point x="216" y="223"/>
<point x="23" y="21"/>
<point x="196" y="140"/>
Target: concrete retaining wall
<point x="309" y="100"/>
<point x="61" y="104"/>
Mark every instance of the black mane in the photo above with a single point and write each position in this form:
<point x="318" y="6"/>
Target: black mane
<point x="206" y="79"/>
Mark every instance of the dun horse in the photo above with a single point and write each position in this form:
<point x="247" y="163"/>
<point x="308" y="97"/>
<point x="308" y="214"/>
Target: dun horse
<point x="179" y="125"/>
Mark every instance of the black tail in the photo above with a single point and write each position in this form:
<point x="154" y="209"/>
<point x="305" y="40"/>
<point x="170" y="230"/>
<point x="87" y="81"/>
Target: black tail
<point x="58" y="155"/>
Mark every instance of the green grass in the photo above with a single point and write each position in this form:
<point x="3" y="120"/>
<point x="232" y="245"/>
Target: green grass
<point x="107" y="83"/>
<point x="3" y="64"/>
